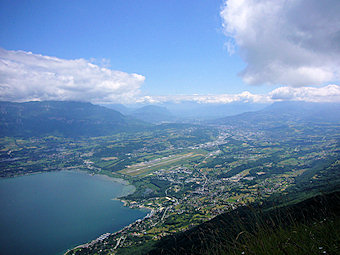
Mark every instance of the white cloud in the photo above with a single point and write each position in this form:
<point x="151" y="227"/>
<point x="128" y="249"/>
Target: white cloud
<point x="330" y="93"/>
<point x="25" y="76"/>
<point x="288" y="42"/>
<point x="206" y="99"/>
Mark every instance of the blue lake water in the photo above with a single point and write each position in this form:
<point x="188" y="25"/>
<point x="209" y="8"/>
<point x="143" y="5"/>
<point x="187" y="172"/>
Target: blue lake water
<point x="51" y="212"/>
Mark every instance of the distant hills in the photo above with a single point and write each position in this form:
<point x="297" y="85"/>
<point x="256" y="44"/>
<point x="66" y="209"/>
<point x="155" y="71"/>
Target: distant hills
<point x="70" y="119"/>
<point x="282" y="113"/>
<point x="153" y="114"/>
<point x="184" y="111"/>
<point x="85" y="119"/>
<point x="208" y="111"/>
<point x="120" y="108"/>
<point x="148" y="113"/>
<point x="232" y="113"/>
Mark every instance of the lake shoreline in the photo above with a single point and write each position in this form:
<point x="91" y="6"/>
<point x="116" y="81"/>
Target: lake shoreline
<point x="125" y="190"/>
<point x="128" y="189"/>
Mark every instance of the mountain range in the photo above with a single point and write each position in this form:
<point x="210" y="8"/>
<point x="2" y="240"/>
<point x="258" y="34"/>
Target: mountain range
<point x="283" y="113"/>
<point x="85" y="119"/>
<point x="184" y="111"/>
<point x="71" y="119"/>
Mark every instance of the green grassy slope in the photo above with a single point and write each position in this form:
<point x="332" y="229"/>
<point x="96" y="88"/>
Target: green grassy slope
<point x="307" y="227"/>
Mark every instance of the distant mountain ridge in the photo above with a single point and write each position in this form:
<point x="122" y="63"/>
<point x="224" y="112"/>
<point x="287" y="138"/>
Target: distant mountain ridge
<point x="67" y="118"/>
<point x="63" y="118"/>
<point x="187" y="112"/>
<point x="149" y="113"/>
<point x="153" y="114"/>
<point x="210" y="111"/>
<point x="285" y="112"/>
<point x="120" y="108"/>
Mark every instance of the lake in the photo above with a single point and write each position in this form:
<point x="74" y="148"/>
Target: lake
<point x="51" y="212"/>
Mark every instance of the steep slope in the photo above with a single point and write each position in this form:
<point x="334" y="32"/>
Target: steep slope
<point x="62" y="118"/>
<point x="233" y="232"/>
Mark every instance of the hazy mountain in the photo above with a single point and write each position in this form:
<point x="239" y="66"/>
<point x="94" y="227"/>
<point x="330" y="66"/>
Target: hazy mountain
<point x="306" y="111"/>
<point x="120" y="108"/>
<point x="62" y="118"/>
<point x="204" y="111"/>
<point x="186" y="111"/>
<point x="284" y="112"/>
<point x="153" y="114"/>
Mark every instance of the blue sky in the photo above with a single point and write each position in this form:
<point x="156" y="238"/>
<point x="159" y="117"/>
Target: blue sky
<point x="178" y="46"/>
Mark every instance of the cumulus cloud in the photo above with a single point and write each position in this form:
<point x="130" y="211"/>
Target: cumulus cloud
<point x="330" y="93"/>
<point x="25" y="76"/>
<point x="288" y="42"/>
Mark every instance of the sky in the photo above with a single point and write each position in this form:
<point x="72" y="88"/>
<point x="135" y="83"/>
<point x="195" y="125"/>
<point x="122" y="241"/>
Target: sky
<point x="128" y="51"/>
